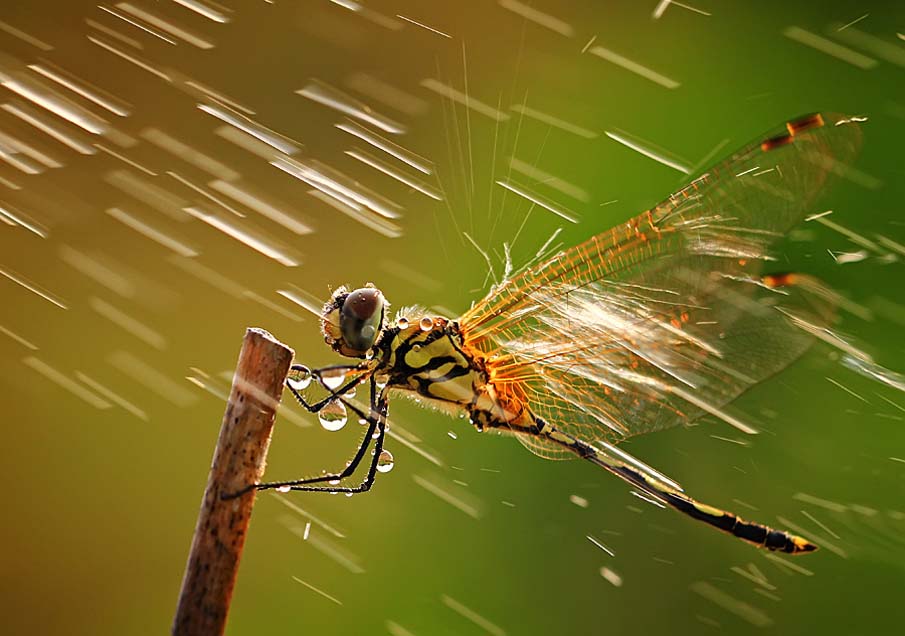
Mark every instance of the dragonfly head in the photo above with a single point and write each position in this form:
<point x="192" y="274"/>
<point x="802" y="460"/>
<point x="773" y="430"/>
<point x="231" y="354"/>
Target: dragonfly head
<point x="352" y="321"/>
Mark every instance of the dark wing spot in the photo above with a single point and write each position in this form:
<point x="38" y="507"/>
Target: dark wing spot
<point x="775" y="142"/>
<point x="805" y="123"/>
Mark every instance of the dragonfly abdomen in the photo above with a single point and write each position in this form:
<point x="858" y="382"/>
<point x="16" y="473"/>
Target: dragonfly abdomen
<point x="755" y="533"/>
<point x="656" y="486"/>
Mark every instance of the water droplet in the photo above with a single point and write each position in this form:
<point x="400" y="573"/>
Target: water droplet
<point x="381" y="379"/>
<point x="333" y="482"/>
<point x="333" y="416"/>
<point x="350" y="393"/>
<point x="426" y="323"/>
<point x="349" y="494"/>
<point x="579" y="501"/>
<point x="452" y="435"/>
<point x="402" y="323"/>
<point x="299" y="379"/>
<point x="611" y="576"/>
<point x="362" y="421"/>
<point x="385" y="462"/>
<point x="369" y="354"/>
<point x="333" y="379"/>
<point x="416" y="348"/>
<point x="284" y="488"/>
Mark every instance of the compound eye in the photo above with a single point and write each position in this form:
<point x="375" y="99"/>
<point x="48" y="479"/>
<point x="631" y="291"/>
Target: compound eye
<point x="361" y="318"/>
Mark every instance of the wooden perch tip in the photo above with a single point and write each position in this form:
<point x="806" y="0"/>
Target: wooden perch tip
<point x="238" y="462"/>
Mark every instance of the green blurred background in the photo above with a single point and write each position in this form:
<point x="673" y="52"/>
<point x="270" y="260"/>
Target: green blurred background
<point x="101" y="502"/>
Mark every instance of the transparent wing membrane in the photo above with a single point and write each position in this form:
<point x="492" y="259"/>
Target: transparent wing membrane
<point x="668" y="316"/>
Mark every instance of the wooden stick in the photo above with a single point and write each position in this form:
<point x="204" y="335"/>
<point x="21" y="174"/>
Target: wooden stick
<point x="239" y="460"/>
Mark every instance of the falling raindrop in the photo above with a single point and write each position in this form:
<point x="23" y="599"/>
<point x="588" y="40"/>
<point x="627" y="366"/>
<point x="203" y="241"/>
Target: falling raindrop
<point x="579" y="501"/>
<point x="611" y="576"/>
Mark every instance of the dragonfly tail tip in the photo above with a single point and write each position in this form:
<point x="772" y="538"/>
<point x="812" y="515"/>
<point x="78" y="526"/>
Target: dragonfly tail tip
<point x="802" y="546"/>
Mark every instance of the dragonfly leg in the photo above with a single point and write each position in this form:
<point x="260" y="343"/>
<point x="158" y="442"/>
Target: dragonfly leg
<point x="317" y="373"/>
<point x="756" y="533"/>
<point x="376" y="420"/>
<point x="365" y="484"/>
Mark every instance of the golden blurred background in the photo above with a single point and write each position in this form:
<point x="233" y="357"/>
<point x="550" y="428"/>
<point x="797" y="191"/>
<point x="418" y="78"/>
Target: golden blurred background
<point x="162" y="189"/>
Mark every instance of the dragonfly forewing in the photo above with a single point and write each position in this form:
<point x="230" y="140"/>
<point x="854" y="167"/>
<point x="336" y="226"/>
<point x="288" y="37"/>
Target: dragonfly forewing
<point x="669" y="316"/>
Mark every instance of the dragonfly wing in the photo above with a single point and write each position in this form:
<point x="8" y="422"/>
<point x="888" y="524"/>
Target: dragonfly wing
<point x="640" y="367"/>
<point x="669" y="316"/>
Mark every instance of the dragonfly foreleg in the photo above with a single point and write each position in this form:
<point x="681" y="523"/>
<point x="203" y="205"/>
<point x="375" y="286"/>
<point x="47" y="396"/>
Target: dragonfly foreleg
<point x="318" y="374"/>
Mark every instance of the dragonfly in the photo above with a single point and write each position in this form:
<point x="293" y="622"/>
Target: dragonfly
<point x="652" y="324"/>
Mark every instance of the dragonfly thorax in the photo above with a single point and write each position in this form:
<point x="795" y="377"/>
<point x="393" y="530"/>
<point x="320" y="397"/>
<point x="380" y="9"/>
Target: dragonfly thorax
<point x="427" y="357"/>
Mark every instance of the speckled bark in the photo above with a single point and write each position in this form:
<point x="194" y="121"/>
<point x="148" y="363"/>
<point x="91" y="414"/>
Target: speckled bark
<point x="239" y="460"/>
